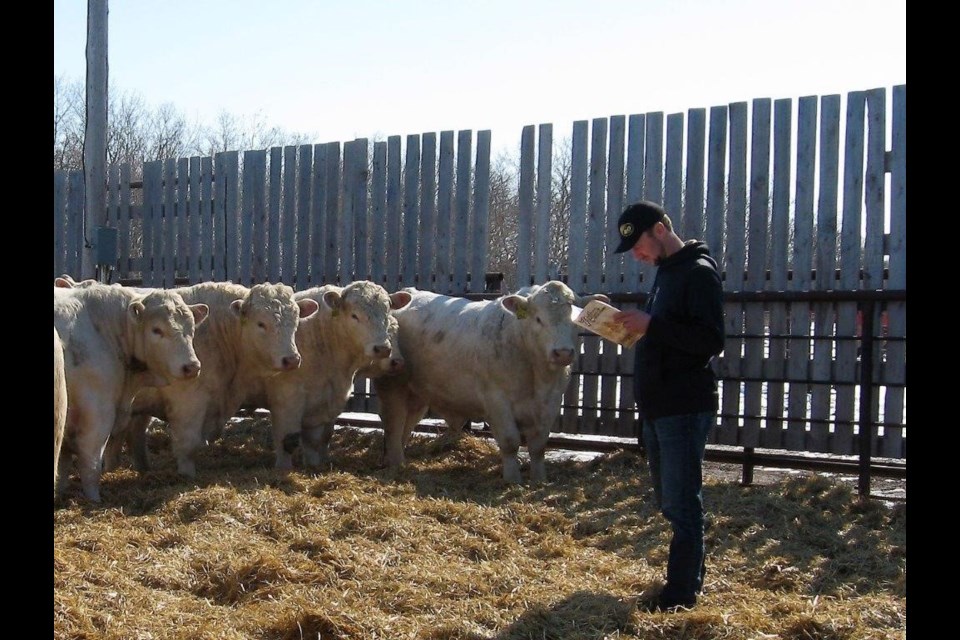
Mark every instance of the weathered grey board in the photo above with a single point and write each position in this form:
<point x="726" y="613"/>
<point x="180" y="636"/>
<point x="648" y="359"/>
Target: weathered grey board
<point x="775" y="364"/>
<point x="758" y="235"/>
<point x="481" y="214"/>
<point x="798" y="367"/>
<point x="323" y="228"/>
<point x="894" y="442"/>
<point x="461" y="218"/>
<point x="613" y="281"/>
<point x="872" y="265"/>
<point x="411" y="211"/>
<point x="354" y="220"/>
<point x="826" y="235"/>
<point x="304" y="222"/>
<point x="444" y="212"/>
<point x="378" y="213"/>
<point x="394" y="211"/>
<point x="541" y="221"/>
<point x="652" y="181"/>
<point x="253" y="217"/>
<point x="167" y="249"/>
<point x="193" y="214"/>
<point x="182" y="216"/>
<point x="273" y="271"/>
<point x="428" y="210"/>
<point x="577" y="250"/>
<point x="673" y="170"/>
<point x="207" y="248"/>
<point x="734" y="260"/>
<point x="288" y="218"/>
<point x="336" y="258"/>
<point x="226" y="207"/>
<point x="636" y="143"/>
<point x="851" y="221"/>
<point x="59" y="222"/>
<point x="152" y="210"/>
<point x="525" y="203"/>
<point x="695" y="179"/>
<point x="596" y="211"/>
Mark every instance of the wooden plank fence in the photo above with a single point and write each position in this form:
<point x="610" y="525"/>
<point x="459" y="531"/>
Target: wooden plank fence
<point x="803" y="204"/>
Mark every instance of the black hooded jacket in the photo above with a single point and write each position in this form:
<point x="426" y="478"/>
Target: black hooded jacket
<point x="673" y="373"/>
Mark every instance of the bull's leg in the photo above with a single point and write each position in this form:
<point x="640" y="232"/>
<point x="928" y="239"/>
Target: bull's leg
<point x="400" y="411"/>
<point x="537" y="437"/>
<point x="505" y="432"/>
<point x="285" y="419"/>
<point x="315" y="439"/>
<point x="454" y="430"/>
<point x="94" y="425"/>
<point x="186" y="435"/>
<point x="118" y="435"/>
<point x="136" y="439"/>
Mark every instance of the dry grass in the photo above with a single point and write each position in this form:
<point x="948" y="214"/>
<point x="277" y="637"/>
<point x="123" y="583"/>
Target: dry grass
<point x="443" y="550"/>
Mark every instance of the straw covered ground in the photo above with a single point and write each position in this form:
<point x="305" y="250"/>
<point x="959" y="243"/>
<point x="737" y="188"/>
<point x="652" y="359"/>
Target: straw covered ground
<point x="443" y="550"/>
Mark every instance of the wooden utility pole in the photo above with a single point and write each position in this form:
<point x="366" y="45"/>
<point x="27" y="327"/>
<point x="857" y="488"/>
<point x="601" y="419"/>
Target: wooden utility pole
<point x="95" y="135"/>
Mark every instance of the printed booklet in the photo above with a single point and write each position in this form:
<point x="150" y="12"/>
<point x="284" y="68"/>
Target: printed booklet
<point x="597" y="317"/>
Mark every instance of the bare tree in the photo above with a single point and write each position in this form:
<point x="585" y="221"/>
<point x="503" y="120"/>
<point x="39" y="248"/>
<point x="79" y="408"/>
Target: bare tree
<point x="126" y="128"/>
<point x="169" y="134"/>
<point x="68" y="131"/>
<point x="232" y="132"/>
<point x="504" y="218"/>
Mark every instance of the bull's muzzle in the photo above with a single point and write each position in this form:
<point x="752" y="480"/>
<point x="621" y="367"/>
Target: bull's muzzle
<point x="382" y="351"/>
<point x="190" y="370"/>
<point x="562" y="357"/>
<point x="289" y="363"/>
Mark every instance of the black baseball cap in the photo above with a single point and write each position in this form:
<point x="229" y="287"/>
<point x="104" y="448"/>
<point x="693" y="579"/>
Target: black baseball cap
<point x="635" y="219"/>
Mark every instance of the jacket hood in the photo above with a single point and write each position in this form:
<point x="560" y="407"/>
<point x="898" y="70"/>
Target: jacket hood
<point x="692" y="250"/>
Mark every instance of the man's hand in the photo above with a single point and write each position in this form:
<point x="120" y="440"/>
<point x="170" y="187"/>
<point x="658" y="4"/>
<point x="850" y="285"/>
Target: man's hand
<point x="634" y="320"/>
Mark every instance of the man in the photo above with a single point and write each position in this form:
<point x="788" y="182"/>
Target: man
<point x="674" y="382"/>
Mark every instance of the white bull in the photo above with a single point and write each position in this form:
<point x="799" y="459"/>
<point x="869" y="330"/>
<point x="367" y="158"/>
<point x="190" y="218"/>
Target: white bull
<point x="112" y="336"/>
<point x="349" y="332"/>
<point x="504" y="361"/>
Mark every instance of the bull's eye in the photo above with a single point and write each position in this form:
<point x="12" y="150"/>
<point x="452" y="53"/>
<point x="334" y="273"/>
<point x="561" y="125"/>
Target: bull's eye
<point x="157" y="331"/>
<point x="262" y="325"/>
<point x="355" y="317"/>
<point x="539" y="321"/>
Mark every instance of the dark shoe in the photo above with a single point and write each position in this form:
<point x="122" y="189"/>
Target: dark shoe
<point x="664" y="603"/>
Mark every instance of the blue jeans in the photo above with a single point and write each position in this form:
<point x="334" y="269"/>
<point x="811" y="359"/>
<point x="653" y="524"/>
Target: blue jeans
<point x="675" y="446"/>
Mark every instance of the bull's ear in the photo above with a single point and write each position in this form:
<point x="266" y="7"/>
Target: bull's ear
<point x="332" y="300"/>
<point x="237" y="307"/>
<point x="517" y="305"/>
<point x="200" y="312"/>
<point x="582" y="301"/>
<point x="136" y="309"/>
<point x="308" y="307"/>
<point x="400" y="299"/>
<point x="63" y="282"/>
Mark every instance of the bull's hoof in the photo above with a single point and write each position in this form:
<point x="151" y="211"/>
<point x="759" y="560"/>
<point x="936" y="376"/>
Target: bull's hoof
<point x="291" y="442"/>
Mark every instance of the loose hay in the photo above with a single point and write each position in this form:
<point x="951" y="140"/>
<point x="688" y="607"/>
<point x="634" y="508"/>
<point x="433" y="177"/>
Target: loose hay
<point x="443" y="550"/>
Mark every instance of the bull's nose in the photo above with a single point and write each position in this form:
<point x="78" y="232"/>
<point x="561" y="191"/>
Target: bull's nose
<point x="396" y="365"/>
<point x="562" y="356"/>
<point x="382" y="351"/>
<point x="291" y="362"/>
<point x="191" y="370"/>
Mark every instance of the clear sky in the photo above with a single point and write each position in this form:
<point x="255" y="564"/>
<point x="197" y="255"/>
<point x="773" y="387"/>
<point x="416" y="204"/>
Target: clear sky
<point x="342" y="69"/>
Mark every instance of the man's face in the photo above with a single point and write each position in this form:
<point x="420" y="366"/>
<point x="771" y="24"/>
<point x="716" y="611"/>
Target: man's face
<point x="649" y="248"/>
